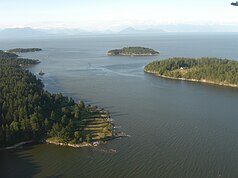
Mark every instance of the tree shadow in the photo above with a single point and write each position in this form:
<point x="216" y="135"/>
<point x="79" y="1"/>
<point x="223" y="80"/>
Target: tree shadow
<point x="17" y="163"/>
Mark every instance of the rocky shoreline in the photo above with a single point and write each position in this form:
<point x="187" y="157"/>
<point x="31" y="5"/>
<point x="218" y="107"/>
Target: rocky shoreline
<point x="192" y="80"/>
<point x="80" y="145"/>
<point x="87" y="144"/>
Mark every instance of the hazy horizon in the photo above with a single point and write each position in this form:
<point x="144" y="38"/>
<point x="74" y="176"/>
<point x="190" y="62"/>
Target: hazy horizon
<point x="127" y="30"/>
<point x="105" y="15"/>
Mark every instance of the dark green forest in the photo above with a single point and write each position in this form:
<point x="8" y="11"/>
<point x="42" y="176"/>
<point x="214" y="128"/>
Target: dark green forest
<point x="23" y="50"/>
<point x="132" y="51"/>
<point x="28" y="112"/>
<point x="217" y="70"/>
<point x="12" y="59"/>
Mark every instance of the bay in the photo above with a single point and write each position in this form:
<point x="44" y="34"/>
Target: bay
<point x="177" y="128"/>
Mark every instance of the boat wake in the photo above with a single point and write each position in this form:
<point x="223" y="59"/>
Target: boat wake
<point x="108" y="151"/>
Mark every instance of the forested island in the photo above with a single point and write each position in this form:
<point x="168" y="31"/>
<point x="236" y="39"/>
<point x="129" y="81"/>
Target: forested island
<point x="30" y="113"/>
<point x="23" y="50"/>
<point x="207" y="70"/>
<point x="132" y="51"/>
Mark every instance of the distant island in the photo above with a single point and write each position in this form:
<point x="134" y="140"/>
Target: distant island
<point x="23" y="50"/>
<point x="132" y="51"/>
<point x="208" y="70"/>
<point x="29" y="113"/>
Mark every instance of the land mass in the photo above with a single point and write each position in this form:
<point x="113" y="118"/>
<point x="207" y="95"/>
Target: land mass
<point x="207" y="70"/>
<point x="30" y="113"/>
<point x="132" y="51"/>
<point x="12" y="59"/>
<point x="23" y="50"/>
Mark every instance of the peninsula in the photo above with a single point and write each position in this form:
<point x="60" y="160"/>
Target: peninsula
<point x="132" y="51"/>
<point x="207" y="70"/>
<point x="30" y="113"/>
<point x="8" y="58"/>
<point x="23" y="50"/>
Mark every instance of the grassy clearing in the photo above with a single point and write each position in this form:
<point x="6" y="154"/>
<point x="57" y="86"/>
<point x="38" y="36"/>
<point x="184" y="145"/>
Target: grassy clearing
<point x="95" y="124"/>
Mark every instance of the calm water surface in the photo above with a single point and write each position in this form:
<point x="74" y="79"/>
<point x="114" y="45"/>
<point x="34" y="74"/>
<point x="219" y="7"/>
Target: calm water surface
<point x="177" y="128"/>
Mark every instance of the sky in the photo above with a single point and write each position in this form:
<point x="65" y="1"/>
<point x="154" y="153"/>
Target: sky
<point x="114" y="14"/>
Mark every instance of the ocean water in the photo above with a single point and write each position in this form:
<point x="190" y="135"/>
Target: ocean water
<point x="177" y="128"/>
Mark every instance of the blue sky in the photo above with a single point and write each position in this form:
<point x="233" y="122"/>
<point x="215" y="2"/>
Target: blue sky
<point x="114" y="14"/>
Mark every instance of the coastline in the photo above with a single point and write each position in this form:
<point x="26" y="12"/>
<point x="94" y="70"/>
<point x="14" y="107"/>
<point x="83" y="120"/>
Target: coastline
<point x="79" y="145"/>
<point x="123" y="54"/>
<point x="94" y="122"/>
<point x="191" y="80"/>
<point x="116" y="134"/>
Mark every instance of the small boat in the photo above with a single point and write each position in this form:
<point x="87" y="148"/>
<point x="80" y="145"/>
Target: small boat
<point x="41" y="73"/>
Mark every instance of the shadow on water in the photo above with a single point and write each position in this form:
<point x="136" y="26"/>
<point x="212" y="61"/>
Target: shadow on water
<point x="117" y="114"/>
<point x="56" y="176"/>
<point x="18" y="163"/>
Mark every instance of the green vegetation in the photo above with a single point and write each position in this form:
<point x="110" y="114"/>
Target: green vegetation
<point x="23" y="50"/>
<point x="132" y="51"/>
<point x="28" y="112"/>
<point x="7" y="55"/>
<point x="210" y="70"/>
<point x="13" y="60"/>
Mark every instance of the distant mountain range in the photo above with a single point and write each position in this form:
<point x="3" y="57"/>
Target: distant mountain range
<point x="31" y="33"/>
<point x="64" y="31"/>
<point x="28" y="32"/>
<point x="21" y="33"/>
